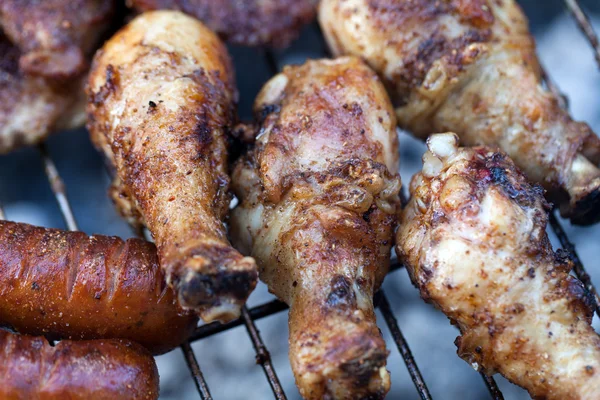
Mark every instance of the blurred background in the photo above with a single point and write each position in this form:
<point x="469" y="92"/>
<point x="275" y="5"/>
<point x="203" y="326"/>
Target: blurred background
<point x="228" y="359"/>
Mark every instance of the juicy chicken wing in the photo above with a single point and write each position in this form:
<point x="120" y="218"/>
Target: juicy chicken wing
<point x="31" y="107"/>
<point x="318" y="193"/>
<point x="161" y="99"/>
<point x="473" y="239"/>
<point x="469" y="66"/>
<point x="55" y="36"/>
<point x="246" y="22"/>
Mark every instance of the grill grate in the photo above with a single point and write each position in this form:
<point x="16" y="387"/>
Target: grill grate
<point x="249" y="316"/>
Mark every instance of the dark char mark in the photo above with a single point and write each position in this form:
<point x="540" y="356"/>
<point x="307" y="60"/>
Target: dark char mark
<point x="341" y="292"/>
<point x="207" y="289"/>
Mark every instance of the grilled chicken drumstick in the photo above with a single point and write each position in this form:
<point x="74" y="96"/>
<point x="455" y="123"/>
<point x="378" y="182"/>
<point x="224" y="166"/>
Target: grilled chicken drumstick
<point x="474" y="242"/>
<point x="470" y="67"/>
<point x="55" y="36"/>
<point x="318" y="193"/>
<point x="32" y="107"/>
<point x="245" y="22"/>
<point x="32" y="369"/>
<point x="68" y="285"/>
<point x="161" y="99"/>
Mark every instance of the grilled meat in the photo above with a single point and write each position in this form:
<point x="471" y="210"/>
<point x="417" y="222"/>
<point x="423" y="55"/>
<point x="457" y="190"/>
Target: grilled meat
<point x="32" y="369"/>
<point x="470" y="66"/>
<point x="68" y="285"/>
<point x="474" y="242"/>
<point x="55" y="36"/>
<point x="161" y="99"/>
<point x="319" y="193"/>
<point x="32" y="107"/>
<point x="246" y="22"/>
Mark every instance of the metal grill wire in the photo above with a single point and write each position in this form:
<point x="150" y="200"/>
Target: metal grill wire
<point x="250" y="315"/>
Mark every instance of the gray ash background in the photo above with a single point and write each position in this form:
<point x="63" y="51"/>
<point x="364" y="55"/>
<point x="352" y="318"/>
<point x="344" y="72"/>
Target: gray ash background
<point x="228" y="359"/>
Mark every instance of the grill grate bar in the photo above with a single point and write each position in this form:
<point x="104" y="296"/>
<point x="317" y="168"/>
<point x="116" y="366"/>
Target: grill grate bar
<point x="194" y="367"/>
<point x="490" y="383"/>
<point x="196" y="372"/>
<point x="58" y="188"/>
<point x="258" y="312"/>
<point x="578" y="265"/>
<point x="262" y="355"/>
<point x="583" y="21"/>
<point x="403" y="348"/>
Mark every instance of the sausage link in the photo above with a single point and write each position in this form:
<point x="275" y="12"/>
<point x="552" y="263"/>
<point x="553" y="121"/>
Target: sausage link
<point x="68" y="285"/>
<point x="32" y="369"/>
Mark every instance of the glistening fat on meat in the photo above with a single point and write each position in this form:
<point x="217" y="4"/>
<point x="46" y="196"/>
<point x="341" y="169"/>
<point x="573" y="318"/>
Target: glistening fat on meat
<point x="68" y="285"/>
<point x="32" y="369"/>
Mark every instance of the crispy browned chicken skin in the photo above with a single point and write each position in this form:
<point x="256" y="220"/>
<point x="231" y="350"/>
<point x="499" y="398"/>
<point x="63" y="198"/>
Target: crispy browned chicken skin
<point x="32" y="107"/>
<point x="247" y="22"/>
<point x="318" y="193"/>
<point x="161" y="99"/>
<point x="55" y="36"/>
<point x="473" y="239"/>
<point x="469" y="66"/>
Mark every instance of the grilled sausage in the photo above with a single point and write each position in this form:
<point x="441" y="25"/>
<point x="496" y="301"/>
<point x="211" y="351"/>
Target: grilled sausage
<point x="67" y="285"/>
<point x="32" y="369"/>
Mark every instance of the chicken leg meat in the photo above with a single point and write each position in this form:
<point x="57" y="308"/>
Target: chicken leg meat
<point x="319" y="194"/>
<point x="161" y="99"/>
<point x="470" y="67"/>
<point x="473" y="239"/>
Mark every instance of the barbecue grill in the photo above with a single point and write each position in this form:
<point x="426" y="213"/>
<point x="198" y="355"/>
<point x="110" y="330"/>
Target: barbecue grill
<point x="251" y="315"/>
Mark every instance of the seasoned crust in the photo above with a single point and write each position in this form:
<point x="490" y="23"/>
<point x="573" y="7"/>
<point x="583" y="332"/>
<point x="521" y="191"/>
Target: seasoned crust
<point x="55" y="37"/>
<point x="31" y="108"/>
<point x="318" y="200"/>
<point x="474" y="242"/>
<point x="340" y="99"/>
<point x="68" y="285"/>
<point x="247" y="22"/>
<point x="161" y="102"/>
<point x="469" y="66"/>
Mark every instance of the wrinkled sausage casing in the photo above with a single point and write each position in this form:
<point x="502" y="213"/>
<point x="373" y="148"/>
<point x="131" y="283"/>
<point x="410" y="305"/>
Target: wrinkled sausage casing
<point x="246" y="22"/>
<point x="161" y="100"/>
<point x="67" y="285"/>
<point x="470" y="67"/>
<point x="319" y="193"/>
<point x="32" y="369"/>
<point x="473" y="239"/>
